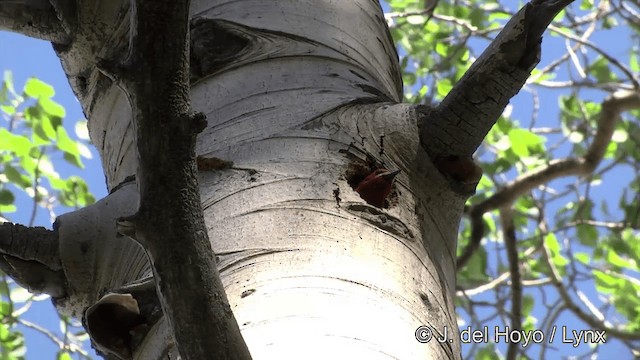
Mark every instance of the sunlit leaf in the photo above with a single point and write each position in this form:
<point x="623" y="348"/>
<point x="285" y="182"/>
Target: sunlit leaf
<point x="52" y="108"/>
<point x="443" y="87"/>
<point x="20" y="294"/>
<point x="8" y="109"/>
<point x="620" y="135"/>
<point x="81" y="129"/>
<point x="620" y="262"/>
<point x="8" y="209"/>
<point x="20" y="145"/>
<point x="84" y="150"/>
<point x="605" y="283"/>
<point x="69" y="147"/>
<point x="64" y="356"/>
<point x="524" y="141"/>
<point x="36" y="88"/>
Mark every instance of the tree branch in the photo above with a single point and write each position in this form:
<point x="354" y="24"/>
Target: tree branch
<point x="169" y="222"/>
<point x="581" y="40"/>
<point x="35" y="18"/>
<point x="612" y="107"/>
<point x="30" y="256"/>
<point x="460" y="123"/>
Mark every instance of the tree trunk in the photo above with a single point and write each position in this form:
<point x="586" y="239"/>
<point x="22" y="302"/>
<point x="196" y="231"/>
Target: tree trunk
<point x="302" y="102"/>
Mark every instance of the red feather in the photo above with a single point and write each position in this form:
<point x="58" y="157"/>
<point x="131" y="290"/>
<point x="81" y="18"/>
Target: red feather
<point x="375" y="188"/>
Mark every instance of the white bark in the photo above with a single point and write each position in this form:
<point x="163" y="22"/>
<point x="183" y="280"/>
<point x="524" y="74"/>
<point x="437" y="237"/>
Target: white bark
<point x="310" y="269"/>
<point x="298" y="266"/>
<point x="94" y="256"/>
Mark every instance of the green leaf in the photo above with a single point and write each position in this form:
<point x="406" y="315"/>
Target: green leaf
<point x="69" y="147"/>
<point x="477" y="17"/>
<point x="609" y="22"/>
<point x="600" y="69"/>
<point x="29" y="165"/>
<point x="8" y="209"/>
<point x="586" y="5"/>
<point x="615" y="260"/>
<point x="527" y="304"/>
<point x="587" y="234"/>
<point x="52" y="108"/>
<point x="494" y="16"/>
<point x="612" y="148"/>
<point x="583" y="257"/>
<point x="64" y="356"/>
<point x="570" y="106"/>
<point x="8" y="109"/>
<point x="538" y="76"/>
<point x="6" y="197"/>
<point x="82" y="130"/>
<point x="64" y="142"/>
<point x="524" y="141"/>
<point x="503" y="144"/>
<point x="442" y="49"/>
<point x="33" y="115"/>
<point x="73" y="160"/>
<point x="443" y="87"/>
<point x="45" y="131"/>
<point x="16" y="178"/>
<point x="73" y="192"/>
<point x="5" y="309"/>
<point x="634" y="64"/>
<point x="551" y="242"/>
<point x="489" y="223"/>
<point x="476" y="269"/>
<point x="36" y="89"/>
<point x="605" y="283"/>
<point x="20" y="145"/>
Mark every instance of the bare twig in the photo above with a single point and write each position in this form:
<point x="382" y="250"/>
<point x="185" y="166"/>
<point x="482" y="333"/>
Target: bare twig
<point x="632" y="78"/>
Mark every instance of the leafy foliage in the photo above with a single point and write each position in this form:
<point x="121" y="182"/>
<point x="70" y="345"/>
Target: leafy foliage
<point x="32" y="140"/>
<point x="582" y="231"/>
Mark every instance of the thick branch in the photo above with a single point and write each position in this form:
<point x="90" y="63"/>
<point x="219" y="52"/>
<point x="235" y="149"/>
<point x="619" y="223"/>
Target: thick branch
<point x="169" y="223"/>
<point x="460" y="123"/>
<point x="30" y="256"/>
<point x="609" y="115"/>
<point x="35" y="18"/>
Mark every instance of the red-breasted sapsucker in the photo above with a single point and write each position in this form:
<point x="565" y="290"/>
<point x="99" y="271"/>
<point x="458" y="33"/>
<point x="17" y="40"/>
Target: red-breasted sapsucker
<point x="375" y="188"/>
